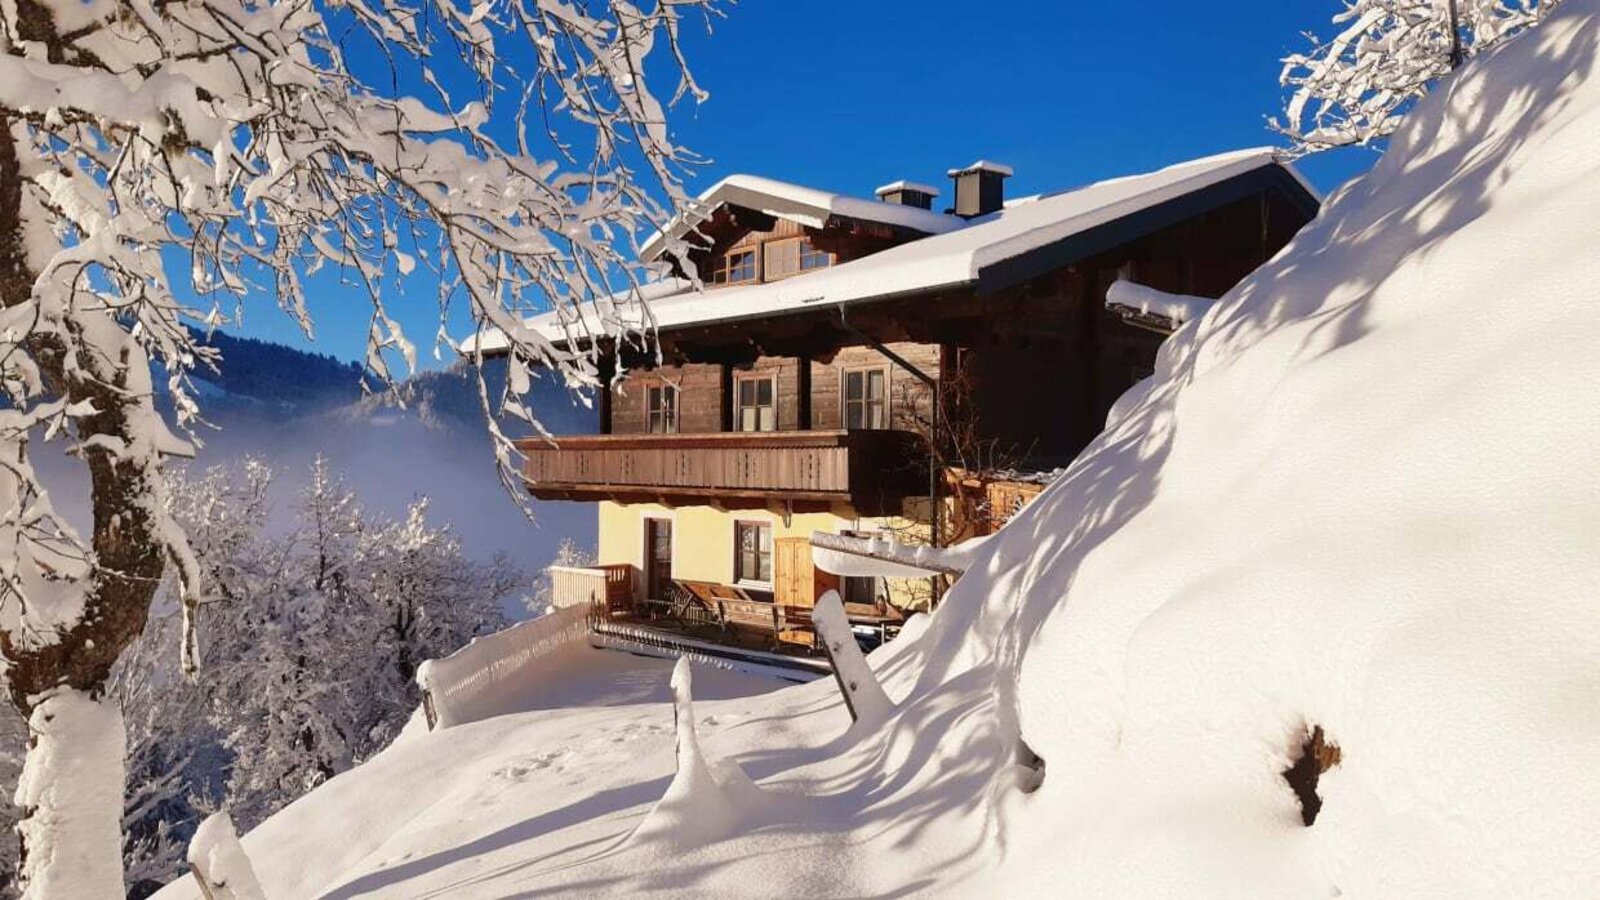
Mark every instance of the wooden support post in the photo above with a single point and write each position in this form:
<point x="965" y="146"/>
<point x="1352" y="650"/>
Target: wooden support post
<point x="219" y="864"/>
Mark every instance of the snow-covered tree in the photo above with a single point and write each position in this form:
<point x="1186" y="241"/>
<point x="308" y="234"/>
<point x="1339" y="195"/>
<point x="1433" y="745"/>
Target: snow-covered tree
<point x="426" y="600"/>
<point x="1356" y="87"/>
<point x="239" y="145"/>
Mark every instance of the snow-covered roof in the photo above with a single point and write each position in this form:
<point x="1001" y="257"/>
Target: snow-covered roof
<point x="808" y="206"/>
<point x="956" y="257"/>
<point x="983" y="165"/>
<point x="903" y="185"/>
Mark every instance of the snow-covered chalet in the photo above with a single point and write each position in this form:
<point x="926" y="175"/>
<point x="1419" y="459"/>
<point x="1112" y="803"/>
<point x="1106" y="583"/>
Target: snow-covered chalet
<point x="794" y="392"/>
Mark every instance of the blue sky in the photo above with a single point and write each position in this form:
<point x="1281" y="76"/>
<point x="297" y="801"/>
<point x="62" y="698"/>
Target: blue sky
<point x="850" y="94"/>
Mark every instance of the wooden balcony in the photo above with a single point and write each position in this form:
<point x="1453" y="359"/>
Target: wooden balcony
<point x="873" y="471"/>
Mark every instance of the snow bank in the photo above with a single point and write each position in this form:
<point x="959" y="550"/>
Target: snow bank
<point x="1361" y="495"/>
<point x="473" y="682"/>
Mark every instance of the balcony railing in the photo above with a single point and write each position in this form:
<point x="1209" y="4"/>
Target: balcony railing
<point x="871" y="470"/>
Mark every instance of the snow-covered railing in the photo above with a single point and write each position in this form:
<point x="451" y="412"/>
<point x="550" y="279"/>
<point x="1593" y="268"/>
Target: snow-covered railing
<point x="1146" y="306"/>
<point x="460" y="687"/>
<point x="881" y="556"/>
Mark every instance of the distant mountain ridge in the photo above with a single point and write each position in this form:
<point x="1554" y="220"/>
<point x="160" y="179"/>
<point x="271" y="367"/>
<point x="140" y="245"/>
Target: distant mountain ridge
<point x="261" y="380"/>
<point x="275" y="375"/>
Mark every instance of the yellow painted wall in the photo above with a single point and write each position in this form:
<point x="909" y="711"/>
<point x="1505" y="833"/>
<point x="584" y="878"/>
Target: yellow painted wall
<point x="702" y="540"/>
<point x="702" y="537"/>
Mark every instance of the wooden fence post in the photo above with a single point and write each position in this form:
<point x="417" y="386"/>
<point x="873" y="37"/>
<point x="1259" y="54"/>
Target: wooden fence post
<point x="219" y="864"/>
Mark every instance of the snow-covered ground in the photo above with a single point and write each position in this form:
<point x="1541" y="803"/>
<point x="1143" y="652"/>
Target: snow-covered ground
<point x="470" y="810"/>
<point x="1362" y="493"/>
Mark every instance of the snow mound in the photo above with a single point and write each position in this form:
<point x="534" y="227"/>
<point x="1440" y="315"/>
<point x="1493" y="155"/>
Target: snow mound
<point x="1362" y="495"/>
<point x="1347" y="531"/>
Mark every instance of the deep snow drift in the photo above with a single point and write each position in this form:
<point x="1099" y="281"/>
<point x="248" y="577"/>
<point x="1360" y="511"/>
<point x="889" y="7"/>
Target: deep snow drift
<point x="1361" y="493"/>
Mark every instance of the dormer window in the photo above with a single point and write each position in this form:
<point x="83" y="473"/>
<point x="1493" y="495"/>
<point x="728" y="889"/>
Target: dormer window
<point x="791" y="256"/>
<point x="734" y="267"/>
<point x="812" y="258"/>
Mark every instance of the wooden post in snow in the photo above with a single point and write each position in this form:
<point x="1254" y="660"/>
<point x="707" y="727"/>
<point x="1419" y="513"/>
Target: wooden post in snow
<point x="219" y="863"/>
<point x="863" y="695"/>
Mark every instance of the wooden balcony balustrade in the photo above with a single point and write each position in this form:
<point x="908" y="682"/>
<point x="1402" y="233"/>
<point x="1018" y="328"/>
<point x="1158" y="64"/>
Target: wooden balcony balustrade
<point x="873" y="471"/>
<point x="609" y="589"/>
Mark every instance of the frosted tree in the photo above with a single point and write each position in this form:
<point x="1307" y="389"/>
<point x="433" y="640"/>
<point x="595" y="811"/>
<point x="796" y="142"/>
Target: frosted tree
<point x="427" y="600"/>
<point x="513" y="148"/>
<point x="1356" y="87"/>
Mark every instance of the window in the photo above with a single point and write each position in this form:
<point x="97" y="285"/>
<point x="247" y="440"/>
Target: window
<point x="752" y="552"/>
<point x="860" y="589"/>
<point x="757" y="408"/>
<point x="735" y="266"/>
<point x="780" y="259"/>
<point x="661" y="406"/>
<point x="812" y="258"/>
<point x="866" y="398"/>
<point x="791" y="256"/>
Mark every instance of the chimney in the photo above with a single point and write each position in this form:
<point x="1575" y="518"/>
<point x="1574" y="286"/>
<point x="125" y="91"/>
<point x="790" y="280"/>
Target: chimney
<point x="908" y="193"/>
<point x="980" y="188"/>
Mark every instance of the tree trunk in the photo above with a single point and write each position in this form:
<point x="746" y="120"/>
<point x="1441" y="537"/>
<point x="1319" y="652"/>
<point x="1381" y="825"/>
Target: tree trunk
<point x="71" y="788"/>
<point x="75" y="662"/>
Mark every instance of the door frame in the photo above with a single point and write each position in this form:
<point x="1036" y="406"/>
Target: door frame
<point x="647" y="555"/>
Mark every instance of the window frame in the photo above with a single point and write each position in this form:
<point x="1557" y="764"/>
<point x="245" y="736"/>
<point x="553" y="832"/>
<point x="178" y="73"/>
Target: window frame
<point x="844" y="396"/>
<point x="760" y="526"/>
<point x="722" y="273"/>
<point x="669" y="413"/>
<point x="826" y="254"/>
<point x="766" y="270"/>
<point x="739" y="405"/>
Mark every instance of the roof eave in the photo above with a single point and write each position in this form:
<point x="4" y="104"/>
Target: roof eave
<point x="1081" y="245"/>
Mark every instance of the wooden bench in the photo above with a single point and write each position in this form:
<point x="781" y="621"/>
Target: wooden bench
<point x="795" y="627"/>
<point x="749" y="615"/>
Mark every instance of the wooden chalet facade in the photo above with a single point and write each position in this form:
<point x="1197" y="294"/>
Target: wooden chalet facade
<point x="795" y="393"/>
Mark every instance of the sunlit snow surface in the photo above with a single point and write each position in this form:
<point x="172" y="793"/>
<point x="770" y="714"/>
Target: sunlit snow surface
<point x="1362" y="492"/>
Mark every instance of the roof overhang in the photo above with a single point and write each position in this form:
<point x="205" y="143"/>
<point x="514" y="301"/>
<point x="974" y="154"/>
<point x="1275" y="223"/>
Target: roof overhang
<point x="1092" y="241"/>
<point x="804" y="206"/>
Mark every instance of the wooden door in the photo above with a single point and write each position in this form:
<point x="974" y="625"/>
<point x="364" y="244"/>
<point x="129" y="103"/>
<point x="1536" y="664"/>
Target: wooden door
<point x="657" y="558"/>
<point x="796" y="581"/>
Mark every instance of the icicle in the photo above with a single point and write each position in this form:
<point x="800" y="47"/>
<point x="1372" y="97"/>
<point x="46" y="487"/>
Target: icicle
<point x="862" y="694"/>
<point x="220" y="864"/>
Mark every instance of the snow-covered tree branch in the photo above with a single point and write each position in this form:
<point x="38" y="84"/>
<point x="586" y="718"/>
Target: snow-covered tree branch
<point x="511" y="147"/>
<point x="1356" y="87"/>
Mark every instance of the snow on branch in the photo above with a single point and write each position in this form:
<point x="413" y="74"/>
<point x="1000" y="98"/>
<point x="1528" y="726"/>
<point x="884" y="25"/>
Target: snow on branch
<point x="241" y="147"/>
<point x="1357" y="86"/>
